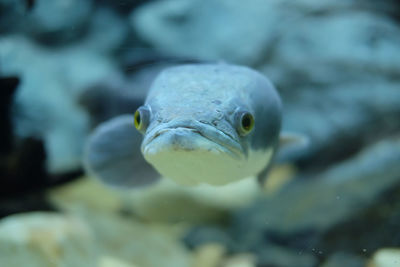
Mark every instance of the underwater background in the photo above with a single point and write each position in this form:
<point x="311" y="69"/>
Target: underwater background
<point x="67" y="65"/>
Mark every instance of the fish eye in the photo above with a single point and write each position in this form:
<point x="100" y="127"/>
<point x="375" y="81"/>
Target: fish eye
<point x="142" y="118"/>
<point x="244" y="122"/>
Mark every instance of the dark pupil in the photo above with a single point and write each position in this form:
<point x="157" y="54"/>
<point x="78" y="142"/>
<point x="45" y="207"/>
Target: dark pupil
<point x="138" y="118"/>
<point x="246" y="122"/>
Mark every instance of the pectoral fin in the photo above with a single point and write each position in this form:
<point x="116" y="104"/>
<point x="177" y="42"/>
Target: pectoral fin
<point x="292" y="140"/>
<point x="113" y="155"/>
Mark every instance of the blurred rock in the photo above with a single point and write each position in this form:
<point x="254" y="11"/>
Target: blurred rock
<point x="204" y="234"/>
<point x="303" y="212"/>
<point x="123" y="6"/>
<point x="22" y="161"/>
<point x="58" y="21"/>
<point x="362" y="49"/>
<point x="167" y="201"/>
<point x="340" y="120"/>
<point x="367" y="231"/>
<point x="46" y="239"/>
<point x="240" y="260"/>
<point x="278" y="178"/>
<point x="66" y="22"/>
<point x="11" y="14"/>
<point x="208" y="255"/>
<point x="340" y="259"/>
<point x="385" y="257"/>
<point x="137" y="243"/>
<point x="214" y="255"/>
<point x="88" y="239"/>
<point x="226" y="30"/>
<point x="112" y="262"/>
<point x="162" y="202"/>
<point x="353" y="74"/>
<point x="347" y="64"/>
<point x="83" y="194"/>
<point x="284" y="257"/>
<point x="222" y="30"/>
<point x="105" y="32"/>
<point x="45" y="106"/>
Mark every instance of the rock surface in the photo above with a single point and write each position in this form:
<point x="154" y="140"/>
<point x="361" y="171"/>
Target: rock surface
<point x="283" y="257"/>
<point x="46" y="239"/>
<point x="45" y="105"/>
<point x="345" y="190"/>
<point x="131" y="241"/>
<point x="99" y="239"/>
<point x="197" y="28"/>
<point x="56" y="21"/>
<point x="11" y="12"/>
<point x="351" y="115"/>
<point x="344" y="259"/>
<point x="163" y="202"/>
<point x="386" y="257"/>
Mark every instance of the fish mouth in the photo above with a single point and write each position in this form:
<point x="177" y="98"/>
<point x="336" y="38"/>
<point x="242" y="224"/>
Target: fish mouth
<point x="224" y="143"/>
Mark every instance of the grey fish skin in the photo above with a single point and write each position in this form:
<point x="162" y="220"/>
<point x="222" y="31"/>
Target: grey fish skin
<point x="211" y="93"/>
<point x="205" y="99"/>
<point x="193" y="129"/>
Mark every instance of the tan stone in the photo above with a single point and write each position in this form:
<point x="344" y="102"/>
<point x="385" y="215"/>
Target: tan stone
<point x="385" y="257"/>
<point x="208" y="255"/>
<point x="46" y="239"/>
<point x="240" y="260"/>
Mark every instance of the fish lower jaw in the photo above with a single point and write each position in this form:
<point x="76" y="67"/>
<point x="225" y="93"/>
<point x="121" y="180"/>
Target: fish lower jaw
<point x="207" y="166"/>
<point x="196" y="166"/>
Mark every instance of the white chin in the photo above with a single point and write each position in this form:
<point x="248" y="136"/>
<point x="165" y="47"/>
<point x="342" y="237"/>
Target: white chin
<point x="190" y="159"/>
<point x="197" y="166"/>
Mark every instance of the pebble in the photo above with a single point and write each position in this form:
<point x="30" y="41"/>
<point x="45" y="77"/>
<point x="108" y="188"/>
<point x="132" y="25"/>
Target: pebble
<point x="46" y="239"/>
<point x="385" y="257"/>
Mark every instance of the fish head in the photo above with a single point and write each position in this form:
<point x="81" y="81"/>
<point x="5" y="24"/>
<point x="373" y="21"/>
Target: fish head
<point x="208" y="123"/>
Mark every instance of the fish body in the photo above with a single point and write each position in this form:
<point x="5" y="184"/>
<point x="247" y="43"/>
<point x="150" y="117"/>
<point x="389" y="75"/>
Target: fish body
<point x="194" y="131"/>
<point x="201" y="123"/>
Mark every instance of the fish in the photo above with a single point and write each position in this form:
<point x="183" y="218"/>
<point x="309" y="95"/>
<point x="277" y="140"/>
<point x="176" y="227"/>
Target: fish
<point x="199" y="124"/>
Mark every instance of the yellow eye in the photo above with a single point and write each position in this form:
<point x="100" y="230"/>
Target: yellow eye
<point x="244" y="122"/>
<point x="247" y="122"/>
<point x="138" y="119"/>
<point x="142" y="118"/>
